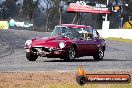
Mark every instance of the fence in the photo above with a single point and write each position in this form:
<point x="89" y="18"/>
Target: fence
<point x="117" y="33"/>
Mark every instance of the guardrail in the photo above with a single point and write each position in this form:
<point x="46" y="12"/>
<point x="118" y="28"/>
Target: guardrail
<point x="117" y="33"/>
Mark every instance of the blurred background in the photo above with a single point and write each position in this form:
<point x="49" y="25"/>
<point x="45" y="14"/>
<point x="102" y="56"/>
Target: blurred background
<point x="43" y="15"/>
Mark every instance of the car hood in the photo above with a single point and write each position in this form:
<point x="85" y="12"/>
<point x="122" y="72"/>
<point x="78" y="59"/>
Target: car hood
<point x="49" y="41"/>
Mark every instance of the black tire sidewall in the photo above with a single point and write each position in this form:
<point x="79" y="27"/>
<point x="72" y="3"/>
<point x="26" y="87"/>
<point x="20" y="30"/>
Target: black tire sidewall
<point x="67" y="57"/>
<point x="31" y="57"/>
<point x="97" y="56"/>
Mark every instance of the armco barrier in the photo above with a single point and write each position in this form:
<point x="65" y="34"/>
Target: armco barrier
<point x="117" y="33"/>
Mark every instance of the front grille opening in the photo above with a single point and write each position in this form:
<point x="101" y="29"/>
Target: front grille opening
<point x="35" y="49"/>
<point x="45" y="49"/>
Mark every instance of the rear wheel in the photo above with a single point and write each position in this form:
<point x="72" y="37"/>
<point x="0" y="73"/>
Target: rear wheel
<point x="31" y="57"/>
<point x="99" y="55"/>
<point x="71" y="54"/>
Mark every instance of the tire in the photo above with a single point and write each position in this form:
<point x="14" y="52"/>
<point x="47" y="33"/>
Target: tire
<point x="81" y="80"/>
<point x="70" y="56"/>
<point x="99" y="55"/>
<point x="31" y="57"/>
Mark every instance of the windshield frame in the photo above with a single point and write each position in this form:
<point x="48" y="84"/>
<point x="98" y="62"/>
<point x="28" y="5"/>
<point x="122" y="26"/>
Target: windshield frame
<point x="75" y="32"/>
<point x="69" y="32"/>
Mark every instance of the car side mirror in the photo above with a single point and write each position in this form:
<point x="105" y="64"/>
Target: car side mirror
<point x="96" y="35"/>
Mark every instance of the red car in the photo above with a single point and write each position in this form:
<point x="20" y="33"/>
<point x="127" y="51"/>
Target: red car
<point x="67" y="42"/>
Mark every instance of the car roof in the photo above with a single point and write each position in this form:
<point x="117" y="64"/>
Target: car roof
<point x="75" y="26"/>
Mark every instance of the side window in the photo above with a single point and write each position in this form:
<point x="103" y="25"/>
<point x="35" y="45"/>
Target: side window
<point x="89" y="33"/>
<point x="80" y="32"/>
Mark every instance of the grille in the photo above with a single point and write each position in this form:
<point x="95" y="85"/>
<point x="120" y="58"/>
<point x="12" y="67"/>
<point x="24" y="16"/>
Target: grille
<point x="38" y="49"/>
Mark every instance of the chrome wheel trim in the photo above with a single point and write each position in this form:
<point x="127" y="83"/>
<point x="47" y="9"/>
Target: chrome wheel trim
<point x="71" y="53"/>
<point x="101" y="53"/>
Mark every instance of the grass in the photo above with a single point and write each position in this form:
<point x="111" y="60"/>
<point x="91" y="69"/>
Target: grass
<point x="85" y="86"/>
<point x="73" y="86"/>
<point x="120" y="39"/>
<point x="69" y="85"/>
<point x="92" y="86"/>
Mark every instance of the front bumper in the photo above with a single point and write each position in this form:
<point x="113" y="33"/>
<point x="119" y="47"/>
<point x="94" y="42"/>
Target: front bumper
<point x="46" y="52"/>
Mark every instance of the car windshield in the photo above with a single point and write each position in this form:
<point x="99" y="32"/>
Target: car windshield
<point x="66" y="32"/>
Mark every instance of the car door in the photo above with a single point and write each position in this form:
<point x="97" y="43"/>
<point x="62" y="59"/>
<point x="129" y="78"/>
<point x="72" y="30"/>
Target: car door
<point x="80" y="47"/>
<point x="91" y="42"/>
<point x="87" y="47"/>
<point x="91" y="46"/>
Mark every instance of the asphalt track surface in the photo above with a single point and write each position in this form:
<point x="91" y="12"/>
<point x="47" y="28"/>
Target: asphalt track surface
<point x="118" y="55"/>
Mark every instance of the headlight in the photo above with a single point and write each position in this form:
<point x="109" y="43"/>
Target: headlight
<point x="61" y="45"/>
<point x="28" y="42"/>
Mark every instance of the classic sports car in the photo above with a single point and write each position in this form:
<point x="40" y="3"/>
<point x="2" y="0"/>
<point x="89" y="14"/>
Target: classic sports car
<point x="67" y="42"/>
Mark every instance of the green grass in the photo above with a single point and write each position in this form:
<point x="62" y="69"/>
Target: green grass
<point x="119" y="39"/>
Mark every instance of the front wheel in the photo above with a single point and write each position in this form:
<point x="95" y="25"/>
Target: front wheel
<point x="31" y="57"/>
<point x="71" y="54"/>
<point x="99" y="55"/>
